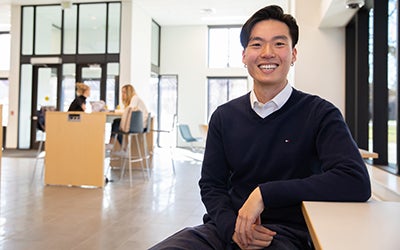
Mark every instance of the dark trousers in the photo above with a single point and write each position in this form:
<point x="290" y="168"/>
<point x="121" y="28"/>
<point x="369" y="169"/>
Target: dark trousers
<point x="205" y="237"/>
<point x="115" y="129"/>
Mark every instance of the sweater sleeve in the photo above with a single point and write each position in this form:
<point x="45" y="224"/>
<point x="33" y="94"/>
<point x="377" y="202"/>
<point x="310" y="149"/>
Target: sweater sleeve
<point x="343" y="175"/>
<point x="214" y="182"/>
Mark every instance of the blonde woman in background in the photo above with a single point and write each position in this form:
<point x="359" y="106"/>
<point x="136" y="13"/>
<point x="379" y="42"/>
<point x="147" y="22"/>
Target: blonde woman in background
<point x="79" y="103"/>
<point x="129" y="99"/>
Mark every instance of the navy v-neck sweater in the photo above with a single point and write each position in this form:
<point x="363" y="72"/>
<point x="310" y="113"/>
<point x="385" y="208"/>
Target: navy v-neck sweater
<point x="302" y="152"/>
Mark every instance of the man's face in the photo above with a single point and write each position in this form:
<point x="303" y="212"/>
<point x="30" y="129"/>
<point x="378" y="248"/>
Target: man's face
<point x="269" y="53"/>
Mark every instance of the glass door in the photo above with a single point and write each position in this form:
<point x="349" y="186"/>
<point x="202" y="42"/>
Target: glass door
<point x="167" y="109"/>
<point x="46" y="82"/>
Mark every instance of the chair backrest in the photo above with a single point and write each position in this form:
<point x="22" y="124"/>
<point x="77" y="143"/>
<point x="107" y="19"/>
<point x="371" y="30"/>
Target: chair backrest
<point x="136" y="124"/>
<point x="185" y="132"/>
<point x="132" y="121"/>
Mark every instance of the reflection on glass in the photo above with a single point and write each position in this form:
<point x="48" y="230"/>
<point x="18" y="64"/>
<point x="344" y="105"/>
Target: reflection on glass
<point x="70" y="30"/>
<point x="48" y="30"/>
<point x="92" y="28"/>
<point x="114" y="14"/>
<point x="68" y="86"/>
<point x="27" y="30"/>
<point x="24" y="128"/>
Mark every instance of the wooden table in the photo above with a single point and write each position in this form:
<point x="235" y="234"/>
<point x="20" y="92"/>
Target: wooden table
<point x="367" y="154"/>
<point x="372" y="225"/>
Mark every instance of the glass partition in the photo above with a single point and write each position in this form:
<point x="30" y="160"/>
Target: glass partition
<point x="48" y="30"/>
<point x="114" y="13"/>
<point x="112" y="85"/>
<point x="68" y="86"/>
<point x="25" y="100"/>
<point x="92" y="28"/>
<point x="27" y="31"/>
<point x="69" y="42"/>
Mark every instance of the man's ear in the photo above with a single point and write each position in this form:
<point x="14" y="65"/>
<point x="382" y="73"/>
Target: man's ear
<point x="243" y="57"/>
<point x="294" y="55"/>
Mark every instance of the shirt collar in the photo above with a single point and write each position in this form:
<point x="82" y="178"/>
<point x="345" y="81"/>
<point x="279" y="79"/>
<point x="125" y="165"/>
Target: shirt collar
<point x="279" y="100"/>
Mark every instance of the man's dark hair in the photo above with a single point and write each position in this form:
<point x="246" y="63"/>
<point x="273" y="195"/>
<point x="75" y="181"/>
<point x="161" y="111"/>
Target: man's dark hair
<point x="270" y="12"/>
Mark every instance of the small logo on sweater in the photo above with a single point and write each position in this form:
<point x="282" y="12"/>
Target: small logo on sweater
<point x="287" y="140"/>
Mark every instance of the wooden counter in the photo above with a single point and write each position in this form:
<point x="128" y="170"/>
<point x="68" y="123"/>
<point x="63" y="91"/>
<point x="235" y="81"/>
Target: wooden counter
<point x="75" y="149"/>
<point x="372" y="225"/>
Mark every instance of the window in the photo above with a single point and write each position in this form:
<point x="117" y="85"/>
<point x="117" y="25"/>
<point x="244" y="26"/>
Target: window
<point x="48" y="25"/>
<point x="92" y="28"/>
<point x="225" y="49"/>
<point x="155" y="44"/>
<point x="372" y="81"/>
<point x="221" y="90"/>
<point x="392" y="80"/>
<point x="4" y="86"/>
<point x="5" y="40"/>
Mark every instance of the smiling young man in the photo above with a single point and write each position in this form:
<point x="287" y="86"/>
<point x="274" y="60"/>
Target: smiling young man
<point x="269" y="150"/>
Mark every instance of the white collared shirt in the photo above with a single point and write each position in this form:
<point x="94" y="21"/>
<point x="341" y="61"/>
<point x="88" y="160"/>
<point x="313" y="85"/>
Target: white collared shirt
<point x="265" y="109"/>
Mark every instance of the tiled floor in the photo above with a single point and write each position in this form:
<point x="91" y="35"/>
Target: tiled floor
<point x="34" y="216"/>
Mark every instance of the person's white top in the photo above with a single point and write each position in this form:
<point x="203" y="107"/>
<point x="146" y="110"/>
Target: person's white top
<point x="265" y="109"/>
<point x="138" y="104"/>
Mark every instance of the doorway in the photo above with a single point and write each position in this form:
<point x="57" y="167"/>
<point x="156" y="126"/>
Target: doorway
<point x="167" y="108"/>
<point x="45" y="93"/>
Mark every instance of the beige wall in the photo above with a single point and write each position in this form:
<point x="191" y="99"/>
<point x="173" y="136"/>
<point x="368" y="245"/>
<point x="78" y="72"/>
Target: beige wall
<point x="320" y="68"/>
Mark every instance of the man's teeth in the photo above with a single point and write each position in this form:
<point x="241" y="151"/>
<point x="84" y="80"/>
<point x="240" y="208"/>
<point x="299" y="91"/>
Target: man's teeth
<point x="268" y="66"/>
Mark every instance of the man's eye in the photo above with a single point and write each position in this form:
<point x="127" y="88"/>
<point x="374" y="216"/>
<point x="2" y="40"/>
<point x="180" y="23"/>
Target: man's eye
<point x="255" y="45"/>
<point x="280" y="44"/>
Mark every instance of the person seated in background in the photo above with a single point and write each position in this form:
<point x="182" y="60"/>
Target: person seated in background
<point x="129" y="99"/>
<point x="79" y="103"/>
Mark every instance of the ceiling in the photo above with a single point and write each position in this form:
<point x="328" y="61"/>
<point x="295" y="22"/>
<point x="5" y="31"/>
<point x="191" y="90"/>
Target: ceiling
<point x="172" y="12"/>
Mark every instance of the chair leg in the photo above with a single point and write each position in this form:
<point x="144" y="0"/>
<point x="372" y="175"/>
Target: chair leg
<point x="141" y="158"/>
<point x="146" y="156"/>
<point x="38" y="156"/>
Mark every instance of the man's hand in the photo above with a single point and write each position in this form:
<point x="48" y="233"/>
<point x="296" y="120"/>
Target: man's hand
<point x="248" y="230"/>
<point x="262" y="238"/>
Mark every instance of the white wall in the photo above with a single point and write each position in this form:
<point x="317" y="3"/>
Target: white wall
<point x="320" y="66"/>
<point x="12" y="126"/>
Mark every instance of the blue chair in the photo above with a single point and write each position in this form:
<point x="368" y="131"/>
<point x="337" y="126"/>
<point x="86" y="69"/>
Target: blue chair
<point x="187" y="135"/>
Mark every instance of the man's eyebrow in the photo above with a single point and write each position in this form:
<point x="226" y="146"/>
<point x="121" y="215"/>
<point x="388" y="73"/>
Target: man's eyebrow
<point x="279" y="37"/>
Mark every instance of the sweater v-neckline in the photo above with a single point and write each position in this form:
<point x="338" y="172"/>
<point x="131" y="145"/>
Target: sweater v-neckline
<point x="285" y="106"/>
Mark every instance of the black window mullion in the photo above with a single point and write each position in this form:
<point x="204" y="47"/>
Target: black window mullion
<point x="362" y="72"/>
<point x="380" y="93"/>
